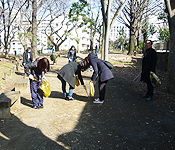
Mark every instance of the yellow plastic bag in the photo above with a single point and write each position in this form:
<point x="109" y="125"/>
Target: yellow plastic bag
<point x="92" y="88"/>
<point x="45" y="86"/>
<point x="77" y="82"/>
<point x="155" y="81"/>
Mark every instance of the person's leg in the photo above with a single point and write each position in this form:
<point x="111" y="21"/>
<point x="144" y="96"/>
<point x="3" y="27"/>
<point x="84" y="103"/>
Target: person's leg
<point x="33" y="87"/>
<point x="64" y="87"/>
<point x="150" y="92"/>
<point x="102" y="90"/>
<point x="71" y="92"/>
<point x="40" y="95"/>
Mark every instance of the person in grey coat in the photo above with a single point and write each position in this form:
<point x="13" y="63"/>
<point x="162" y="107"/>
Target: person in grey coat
<point x="67" y="74"/>
<point x="101" y="71"/>
<point x="72" y="54"/>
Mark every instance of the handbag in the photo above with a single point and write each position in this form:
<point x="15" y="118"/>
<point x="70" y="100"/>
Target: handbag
<point x="108" y="64"/>
<point x="155" y="81"/>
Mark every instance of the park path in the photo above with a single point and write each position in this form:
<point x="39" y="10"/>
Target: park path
<point x="124" y="121"/>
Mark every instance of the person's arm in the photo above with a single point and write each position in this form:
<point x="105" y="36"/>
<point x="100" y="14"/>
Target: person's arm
<point x="79" y="75"/>
<point x="24" y="59"/>
<point x="95" y="73"/>
<point x="29" y="66"/>
<point x="31" y="56"/>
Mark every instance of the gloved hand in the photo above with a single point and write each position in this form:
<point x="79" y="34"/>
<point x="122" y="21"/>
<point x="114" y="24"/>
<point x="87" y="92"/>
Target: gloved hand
<point x="91" y="81"/>
<point x="84" y="87"/>
<point x="31" y="77"/>
<point x="44" y="78"/>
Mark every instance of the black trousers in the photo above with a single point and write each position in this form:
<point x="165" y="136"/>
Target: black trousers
<point x="102" y="89"/>
<point x="150" y="88"/>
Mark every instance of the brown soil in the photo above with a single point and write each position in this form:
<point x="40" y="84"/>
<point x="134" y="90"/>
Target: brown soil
<point x="124" y="121"/>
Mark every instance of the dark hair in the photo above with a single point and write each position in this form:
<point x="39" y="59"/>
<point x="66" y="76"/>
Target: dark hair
<point x="72" y="47"/>
<point x="151" y="42"/>
<point x="86" y="62"/>
<point x="44" y="65"/>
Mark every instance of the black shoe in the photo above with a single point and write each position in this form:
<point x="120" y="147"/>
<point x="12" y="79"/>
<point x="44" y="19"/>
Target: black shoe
<point x="41" y="106"/>
<point x="66" y="97"/>
<point x="36" y="107"/>
<point x="150" y="98"/>
<point x="146" y="96"/>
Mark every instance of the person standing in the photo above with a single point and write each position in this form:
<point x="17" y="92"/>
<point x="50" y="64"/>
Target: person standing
<point x="96" y="50"/>
<point x="67" y="74"/>
<point x="101" y="71"/>
<point x="72" y="54"/>
<point x="149" y="62"/>
<point x="36" y="71"/>
<point x="27" y="56"/>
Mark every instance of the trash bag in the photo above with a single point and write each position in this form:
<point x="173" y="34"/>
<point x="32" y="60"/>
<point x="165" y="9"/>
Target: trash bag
<point x="77" y="82"/>
<point x="92" y="88"/>
<point x="155" y="81"/>
<point x="45" y="86"/>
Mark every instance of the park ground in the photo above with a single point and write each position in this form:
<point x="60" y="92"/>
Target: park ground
<point x="124" y="122"/>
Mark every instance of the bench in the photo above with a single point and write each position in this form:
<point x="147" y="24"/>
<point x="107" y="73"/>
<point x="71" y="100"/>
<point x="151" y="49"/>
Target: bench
<point x="23" y="85"/>
<point x="7" y="99"/>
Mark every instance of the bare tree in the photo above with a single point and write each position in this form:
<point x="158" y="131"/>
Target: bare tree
<point x="107" y="23"/>
<point x="9" y="14"/>
<point x="136" y="14"/>
<point x="170" y="7"/>
<point x="39" y="11"/>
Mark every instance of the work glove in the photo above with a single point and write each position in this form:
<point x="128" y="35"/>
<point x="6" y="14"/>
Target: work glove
<point x="44" y="78"/>
<point x="91" y="81"/>
<point x="84" y="87"/>
<point x="31" y="77"/>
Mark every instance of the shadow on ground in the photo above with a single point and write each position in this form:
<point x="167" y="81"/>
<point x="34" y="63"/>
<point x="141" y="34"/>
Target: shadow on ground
<point x="124" y="121"/>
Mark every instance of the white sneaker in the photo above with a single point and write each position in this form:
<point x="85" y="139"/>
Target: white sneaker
<point x="98" y="101"/>
<point x="71" y="98"/>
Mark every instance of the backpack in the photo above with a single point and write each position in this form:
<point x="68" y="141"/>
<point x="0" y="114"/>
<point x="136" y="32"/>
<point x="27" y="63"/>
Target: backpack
<point x="108" y="64"/>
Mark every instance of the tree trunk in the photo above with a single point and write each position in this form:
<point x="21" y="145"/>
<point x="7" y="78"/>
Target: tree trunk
<point x="56" y="47"/>
<point x="103" y="43"/>
<point x="171" y="63"/>
<point x="132" y="38"/>
<point x="34" y="29"/>
<point x="131" y="42"/>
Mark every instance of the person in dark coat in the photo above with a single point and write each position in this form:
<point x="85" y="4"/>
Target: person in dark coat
<point x="72" y="54"/>
<point x="67" y="74"/>
<point x="36" y="72"/>
<point x="27" y="56"/>
<point x="101" y="71"/>
<point x="149" y="62"/>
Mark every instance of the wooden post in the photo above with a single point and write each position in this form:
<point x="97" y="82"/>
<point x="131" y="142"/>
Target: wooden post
<point x="17" y="65"/>
<point x="10" y="72"/>
<point x="5" y="75"/>
<point x="13" y="69"/>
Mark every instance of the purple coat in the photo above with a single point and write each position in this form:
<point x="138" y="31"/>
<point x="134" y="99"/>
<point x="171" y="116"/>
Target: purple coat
<point x="100" y="69"/>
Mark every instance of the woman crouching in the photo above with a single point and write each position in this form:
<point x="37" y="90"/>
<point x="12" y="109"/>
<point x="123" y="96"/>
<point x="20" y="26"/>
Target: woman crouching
<point x="67" y="74"/>
<point x="36" y="72"/>
<point x="101" y="71"/>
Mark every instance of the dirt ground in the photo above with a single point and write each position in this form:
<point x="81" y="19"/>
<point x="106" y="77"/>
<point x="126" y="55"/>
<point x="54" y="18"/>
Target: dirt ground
<point x="124" y="122"/>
